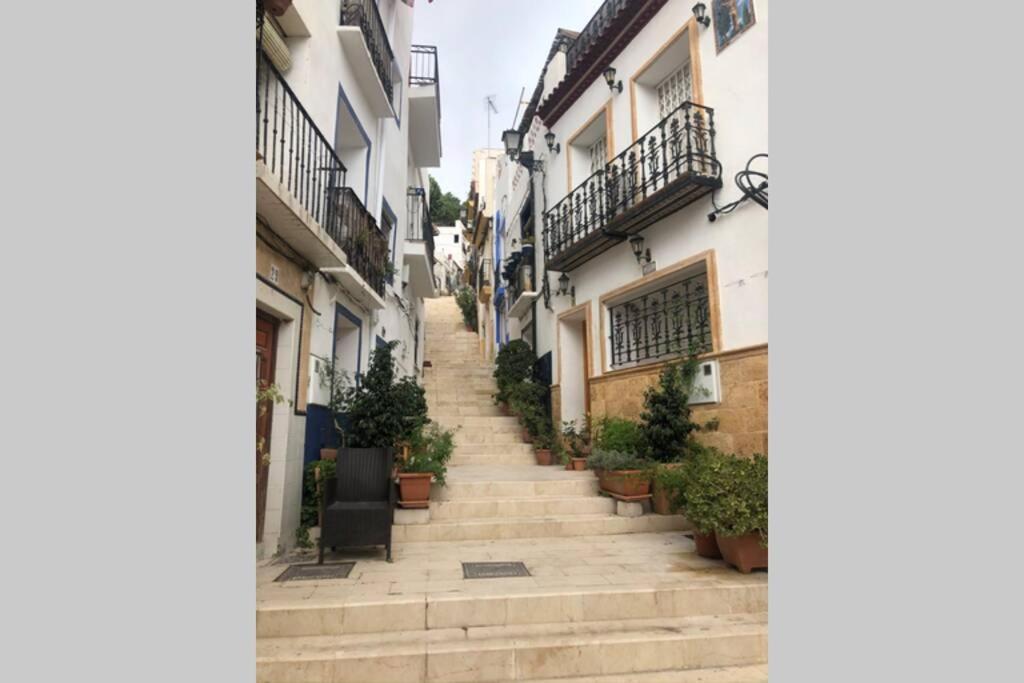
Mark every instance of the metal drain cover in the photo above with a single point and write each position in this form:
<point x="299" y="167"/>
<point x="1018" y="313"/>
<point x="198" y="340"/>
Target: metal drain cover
<point x="312" y="572"/>
<point x="493" y="570"/>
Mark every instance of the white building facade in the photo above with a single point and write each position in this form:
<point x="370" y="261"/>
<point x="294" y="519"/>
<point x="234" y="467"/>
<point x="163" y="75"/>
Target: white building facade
<point x="650" y="115"/>
<point x="348" y="121"/>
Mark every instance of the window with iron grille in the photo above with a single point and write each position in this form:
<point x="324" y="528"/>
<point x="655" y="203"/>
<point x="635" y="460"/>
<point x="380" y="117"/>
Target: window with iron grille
<point x="674" y="90"/>
<point x="672" y="321"/>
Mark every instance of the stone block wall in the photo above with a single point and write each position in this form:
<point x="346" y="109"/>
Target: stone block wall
<point x="742" y="413"/>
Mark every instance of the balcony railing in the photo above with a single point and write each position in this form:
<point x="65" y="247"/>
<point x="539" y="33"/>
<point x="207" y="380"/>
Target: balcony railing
<point x="364" y="14"/>
<point x="423" y="70"/>
<point x="671" y="321"/>
<point x="292" y="147"/>
<point x="358" y="234"/>
<point x="421" y="226"/>
<point x="521" y="281"/>
<point x="668" y="167"/>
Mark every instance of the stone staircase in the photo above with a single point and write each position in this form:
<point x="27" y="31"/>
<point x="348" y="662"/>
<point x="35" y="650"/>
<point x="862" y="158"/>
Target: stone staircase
<point x="609" y="599"/>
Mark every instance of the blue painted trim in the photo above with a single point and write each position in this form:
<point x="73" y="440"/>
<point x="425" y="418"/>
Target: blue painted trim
<point x="366" y="139"/>
<point x="386" y="211"/>
<point x="358" y="322"/>
<point x="381" y="342"/>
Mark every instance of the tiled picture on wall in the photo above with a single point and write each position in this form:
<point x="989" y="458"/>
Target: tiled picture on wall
<point x="732" y="17"/>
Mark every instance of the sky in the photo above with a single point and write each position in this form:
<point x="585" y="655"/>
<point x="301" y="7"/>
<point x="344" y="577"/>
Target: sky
<point x="487" y="47"/>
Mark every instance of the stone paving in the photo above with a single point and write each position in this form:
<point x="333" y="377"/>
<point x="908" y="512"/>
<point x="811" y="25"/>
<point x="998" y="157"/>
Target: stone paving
<point x="609" y="598"/>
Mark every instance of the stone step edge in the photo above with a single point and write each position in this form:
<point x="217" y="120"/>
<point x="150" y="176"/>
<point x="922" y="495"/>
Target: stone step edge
<point x="558" y="634"/>
<point x="524" y="499"/>
<point x="720" y="674"/>
<point x="589" y="517"/>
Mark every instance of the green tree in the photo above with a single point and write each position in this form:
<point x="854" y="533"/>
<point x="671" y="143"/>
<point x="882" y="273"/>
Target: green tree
<point x="444" y="207"/>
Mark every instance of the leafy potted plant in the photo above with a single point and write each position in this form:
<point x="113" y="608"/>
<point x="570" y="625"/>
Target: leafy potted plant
<point x="336" y="381"/>
<point x="430" y="448"/>
<point x="466" y="300"/>
<point x="544" y="445"/>
<point x="513" y="366"/>
<point x="741" y="527"/>
<point x="382" y="413"/>
<point x="624" y="474"/>
<point x="666" y="427"/>
<point x="667" y="479"/>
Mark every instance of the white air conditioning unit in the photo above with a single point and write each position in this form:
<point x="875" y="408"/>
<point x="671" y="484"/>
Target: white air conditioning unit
<point x="707" y="386"/>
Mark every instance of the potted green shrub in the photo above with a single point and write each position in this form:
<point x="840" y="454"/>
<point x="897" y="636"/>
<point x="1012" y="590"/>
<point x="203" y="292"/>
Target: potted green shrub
<point x="666" y="427"/>
<point x="513" y="366"/>
<point x="430" y="448"/>
<point x="726" y="498"/>
<point x="383" y="413"/>
<point x="741" y="528"/>
<point x="624" y="474"/>
<point x="667" y="479"/>
<point x="466" y="300"/>
<point x="544" y="447"/>
<point x="577" y="445"/>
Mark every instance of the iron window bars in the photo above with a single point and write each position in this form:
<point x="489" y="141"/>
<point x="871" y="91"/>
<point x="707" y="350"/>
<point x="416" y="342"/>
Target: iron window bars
<point x="364" y="14"/>
<point x="363" y="241"/>
<point x="679" y="147"/>
<point x="670" y="321"/>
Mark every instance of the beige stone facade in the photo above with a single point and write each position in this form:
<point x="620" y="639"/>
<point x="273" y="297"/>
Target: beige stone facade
<point x="289" y="281"/>
<point x="742" y="413"/>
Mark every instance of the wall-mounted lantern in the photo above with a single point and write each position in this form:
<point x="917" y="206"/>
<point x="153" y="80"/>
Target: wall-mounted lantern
<point x="698" y="11"/>
<point x="549" y="138"/>
<point x="609" y="77"/>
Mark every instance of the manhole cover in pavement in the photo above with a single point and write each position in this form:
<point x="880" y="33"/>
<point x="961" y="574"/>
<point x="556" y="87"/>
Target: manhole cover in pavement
<point x="493" y="570"/>
<point x="312" y="572"/>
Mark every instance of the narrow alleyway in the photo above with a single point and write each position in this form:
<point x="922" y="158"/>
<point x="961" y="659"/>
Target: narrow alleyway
<point x="608" y="598"/>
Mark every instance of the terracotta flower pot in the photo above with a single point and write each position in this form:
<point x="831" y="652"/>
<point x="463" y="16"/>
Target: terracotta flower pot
<point x="503" y="407"/>
<point x="329" y="454"/>
<point x="543" y="456"/>
<point x="579" y="464"/>
<point x="414" y="487"/>
<point x="744" y="552"/>
<point x="660" y="501"/>
<point x="707" y="545"/>
<point x="526" y="435"/>
<point x="626" y="483"/>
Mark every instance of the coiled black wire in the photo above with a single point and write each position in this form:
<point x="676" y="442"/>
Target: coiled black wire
<point x="745" y="180"/>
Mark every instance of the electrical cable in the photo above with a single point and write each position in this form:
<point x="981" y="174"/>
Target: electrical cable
<point x="745" y="180"/>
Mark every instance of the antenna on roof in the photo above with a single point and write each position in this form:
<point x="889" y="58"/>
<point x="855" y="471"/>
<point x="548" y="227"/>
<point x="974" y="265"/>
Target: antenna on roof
<point x="521" y="93"/>
<point x="490" y="107"/>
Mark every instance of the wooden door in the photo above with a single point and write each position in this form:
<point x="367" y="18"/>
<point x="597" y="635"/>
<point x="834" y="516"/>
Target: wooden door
<point x="266" y="349"/>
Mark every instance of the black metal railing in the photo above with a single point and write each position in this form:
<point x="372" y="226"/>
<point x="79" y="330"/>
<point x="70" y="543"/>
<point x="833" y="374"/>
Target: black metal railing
<point x="359" y="235"/>
<point x="423" y="69"/>
<point x="292" y="147"/>
<point x="364" y="14"/>
<point x="420" y="225"/>
<point x="521" y="280"/>
<point x="679" y="147"/>
<point x="592" y="33"/>
<point x="485" y="278"/>
<point x="671" y="321"/>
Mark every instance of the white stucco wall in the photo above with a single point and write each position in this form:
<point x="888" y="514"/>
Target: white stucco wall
<point x="735" y="85"/>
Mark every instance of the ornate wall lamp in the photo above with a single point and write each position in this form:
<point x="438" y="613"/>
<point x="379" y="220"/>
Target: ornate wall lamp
<point x="609" y="77"/>
<point x="698" y="11"/>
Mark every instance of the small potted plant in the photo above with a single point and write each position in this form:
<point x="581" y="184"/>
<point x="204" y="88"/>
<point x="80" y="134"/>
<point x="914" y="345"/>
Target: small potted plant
<point x="624" y="474"/>
<point x="430" y="449"/>
<point x="544" y="444"/>
<point x="667" y="479"/>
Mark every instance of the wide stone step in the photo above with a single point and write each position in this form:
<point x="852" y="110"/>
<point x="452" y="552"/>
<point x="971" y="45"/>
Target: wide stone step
<point x="536" y="506"/>
<point x="757" y="673"/>
<point x="512" y="653"/>
<point x="469" y="433"/>
<point x="462" y="459"/>
<point x="496" y="442"/>
<point x="539" y="527"/>
<point x="384" y="616"/>
<point x="487" y="422"/>
<point x="474" y="409"/>
<point x="517" y="489"/>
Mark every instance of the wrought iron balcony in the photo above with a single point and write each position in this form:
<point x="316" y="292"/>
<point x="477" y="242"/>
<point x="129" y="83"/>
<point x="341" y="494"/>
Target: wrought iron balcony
<point x="668" y="167"/>
<point x="671" y="321"/>
<point x="295" y="152"/>
<point x="364" y="15"/>
<point x="521" y="287"/>
<point x="359" y="235"/>
<point x="425" y="106"/>
<point x="484" y="280"/>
